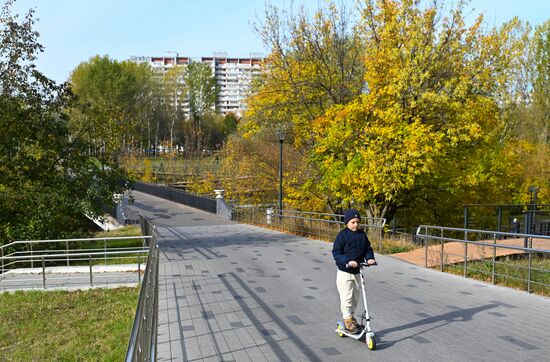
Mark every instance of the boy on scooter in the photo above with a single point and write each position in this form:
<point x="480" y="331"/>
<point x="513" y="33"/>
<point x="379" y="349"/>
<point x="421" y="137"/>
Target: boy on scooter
<point x="350" y="248"/>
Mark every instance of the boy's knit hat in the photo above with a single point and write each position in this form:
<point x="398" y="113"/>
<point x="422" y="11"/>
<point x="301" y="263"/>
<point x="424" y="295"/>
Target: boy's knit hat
<point x="351" y="214"/>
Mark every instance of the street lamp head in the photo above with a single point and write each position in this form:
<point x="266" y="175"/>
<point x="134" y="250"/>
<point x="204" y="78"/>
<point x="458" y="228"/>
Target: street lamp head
<point x="280" y="135"/>
<point x="534" y="189"/>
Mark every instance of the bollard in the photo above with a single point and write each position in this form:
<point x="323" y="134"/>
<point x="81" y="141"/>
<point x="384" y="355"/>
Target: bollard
<point x="43" y="273"/>
<point x="90" y="262"/>
<point x="269" y="215"/>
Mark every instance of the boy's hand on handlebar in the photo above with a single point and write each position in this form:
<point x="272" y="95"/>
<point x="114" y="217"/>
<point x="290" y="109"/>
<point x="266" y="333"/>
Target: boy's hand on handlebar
<point x="352" y="264"/>
<point x="371" y="262"/>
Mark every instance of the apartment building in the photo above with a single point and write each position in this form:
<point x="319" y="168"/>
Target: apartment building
<point x="233" y="76"/>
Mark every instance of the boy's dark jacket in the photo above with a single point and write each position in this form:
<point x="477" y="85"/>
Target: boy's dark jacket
<point x="351" y="245"/>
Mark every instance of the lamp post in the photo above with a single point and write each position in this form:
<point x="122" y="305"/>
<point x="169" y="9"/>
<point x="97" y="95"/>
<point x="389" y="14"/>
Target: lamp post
<point x="281" y="137"/>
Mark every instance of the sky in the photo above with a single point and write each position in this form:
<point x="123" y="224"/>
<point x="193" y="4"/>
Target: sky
<point x="72" y="31"/>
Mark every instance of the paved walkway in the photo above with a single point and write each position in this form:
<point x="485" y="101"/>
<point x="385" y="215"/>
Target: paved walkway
<point x="232" y="292"/>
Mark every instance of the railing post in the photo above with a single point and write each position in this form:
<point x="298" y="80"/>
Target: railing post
<point x="426" y="252"/>
<point x="90" y="262"/>
<point x="465" y="260"/>
<point x="529" y="274"/>
<point x="2" y="250"/>
<point x="494" y="259"/>
<point x="139" y="268"/>
<point x="32" y="259"/>
<point x="67" y="250"/>
<point x="442" y="250"/>
<point x="105" y="251"/>
<point x="43" y="273"/>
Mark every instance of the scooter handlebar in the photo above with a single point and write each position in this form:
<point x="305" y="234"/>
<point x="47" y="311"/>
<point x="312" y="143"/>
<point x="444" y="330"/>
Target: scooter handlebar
<point x="367" y="264"/>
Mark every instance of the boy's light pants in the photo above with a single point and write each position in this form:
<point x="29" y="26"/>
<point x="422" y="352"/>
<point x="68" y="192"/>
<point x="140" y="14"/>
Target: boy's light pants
<point x="348" y="286"/>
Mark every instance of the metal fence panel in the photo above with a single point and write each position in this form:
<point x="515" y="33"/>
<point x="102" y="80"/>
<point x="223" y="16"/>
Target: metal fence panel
<point x="178" y="196"/>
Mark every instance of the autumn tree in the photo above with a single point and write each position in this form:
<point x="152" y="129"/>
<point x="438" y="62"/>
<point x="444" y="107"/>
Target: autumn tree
<point x="315" y="63"/>
<point x="531" y="136"/>
<point x="429" y="119"/>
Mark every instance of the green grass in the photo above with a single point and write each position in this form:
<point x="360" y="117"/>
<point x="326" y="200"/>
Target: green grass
<point x="133" y="230"/>
<point x="88" y="325"/>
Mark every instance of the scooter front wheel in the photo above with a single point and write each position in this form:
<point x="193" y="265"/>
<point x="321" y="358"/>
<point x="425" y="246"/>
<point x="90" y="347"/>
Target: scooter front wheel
<point x="371" y="343"/>
<point x="340" y="328"/>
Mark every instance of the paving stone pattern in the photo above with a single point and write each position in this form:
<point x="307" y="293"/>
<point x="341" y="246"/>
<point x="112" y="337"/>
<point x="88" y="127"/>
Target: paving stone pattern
<point x="233" y="292"/>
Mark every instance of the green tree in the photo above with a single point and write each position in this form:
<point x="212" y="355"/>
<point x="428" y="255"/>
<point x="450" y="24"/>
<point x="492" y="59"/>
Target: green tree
<point x="203" y="90"/>
<point x="114" y="99"/>
<point x="47" y="178"/>
<point x="175" y="92"/>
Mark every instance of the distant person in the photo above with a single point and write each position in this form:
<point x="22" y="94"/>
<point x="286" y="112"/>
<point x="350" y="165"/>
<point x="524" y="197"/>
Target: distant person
<point x="515" y="226"/>
<point x="351" y="248"/>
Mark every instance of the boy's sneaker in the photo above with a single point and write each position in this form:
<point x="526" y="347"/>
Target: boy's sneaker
<point x="351" y="325"/>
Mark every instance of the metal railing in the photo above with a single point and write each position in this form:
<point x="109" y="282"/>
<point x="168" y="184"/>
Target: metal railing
<point x="90" y="259"/>
<point x="25" y="253"/>
<point x="518" y="260"/>
<point x="173" y="194"/>
<point x="142" y="345"/>
<point x="323" y="226"/>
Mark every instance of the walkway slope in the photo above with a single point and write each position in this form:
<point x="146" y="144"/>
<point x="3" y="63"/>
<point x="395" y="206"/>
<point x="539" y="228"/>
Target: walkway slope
<point x="233" y="292"/>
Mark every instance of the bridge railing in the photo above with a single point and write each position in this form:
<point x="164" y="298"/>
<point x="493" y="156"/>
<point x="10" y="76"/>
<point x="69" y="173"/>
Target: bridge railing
<point x="518" y="260"/>
<point x="173" y="194"/>
<point x="142" y="345"/>
<point x="323" y="226"/>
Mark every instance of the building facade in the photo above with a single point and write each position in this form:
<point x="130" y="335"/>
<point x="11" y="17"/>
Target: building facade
<point x="233" y="77"/>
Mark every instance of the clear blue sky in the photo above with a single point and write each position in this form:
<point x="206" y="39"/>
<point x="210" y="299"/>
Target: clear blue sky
<point x="74" y="30"/>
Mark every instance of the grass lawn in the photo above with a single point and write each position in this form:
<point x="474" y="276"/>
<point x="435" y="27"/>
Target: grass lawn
<point x="88" y="325"/>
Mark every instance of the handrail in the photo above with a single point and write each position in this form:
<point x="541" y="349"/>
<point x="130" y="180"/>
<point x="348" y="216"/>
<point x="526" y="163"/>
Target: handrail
<point x="48" y="256"/>
<point x="142" y="345"/>
<point x="72" y="240"/>
<point x="437" y="233"/>
<point x="477" y="231"/>
<point x="492" y="245"/>
<point x="373" y="225"/>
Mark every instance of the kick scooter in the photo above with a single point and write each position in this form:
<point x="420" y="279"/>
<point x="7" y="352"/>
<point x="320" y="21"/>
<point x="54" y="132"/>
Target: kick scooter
<point x="365" y="319"/>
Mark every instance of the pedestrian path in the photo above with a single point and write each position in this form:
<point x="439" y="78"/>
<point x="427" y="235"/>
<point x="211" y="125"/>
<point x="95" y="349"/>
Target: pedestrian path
<point x="233" y="292"/>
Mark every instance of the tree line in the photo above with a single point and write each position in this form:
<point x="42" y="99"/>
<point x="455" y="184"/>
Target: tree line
<point x="394" y="107"/>
<point x="62" y="144"/>
<point x="397" y="107"/>
<point x="126" y="107"/>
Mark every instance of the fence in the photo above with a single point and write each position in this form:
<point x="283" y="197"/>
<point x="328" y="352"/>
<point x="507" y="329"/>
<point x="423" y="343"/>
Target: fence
<point x="21" y="261"/>
<point x="322" y="226"/>
<point x="518" y="260"/>
<point x="172" y="194"/>
<point x="142" y="345"/>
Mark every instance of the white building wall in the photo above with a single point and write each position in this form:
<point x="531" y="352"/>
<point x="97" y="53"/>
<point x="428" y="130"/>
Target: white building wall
<point x="233" y="77"/>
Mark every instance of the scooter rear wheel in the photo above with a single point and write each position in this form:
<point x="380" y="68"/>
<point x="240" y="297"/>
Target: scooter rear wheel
<point x="371" y="343"/>
<point x="340" y="328"/>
